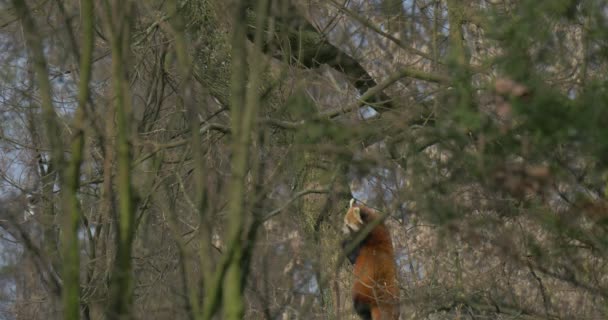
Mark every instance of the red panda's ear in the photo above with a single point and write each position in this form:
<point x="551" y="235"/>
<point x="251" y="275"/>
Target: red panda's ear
<point x="351" y="203"/>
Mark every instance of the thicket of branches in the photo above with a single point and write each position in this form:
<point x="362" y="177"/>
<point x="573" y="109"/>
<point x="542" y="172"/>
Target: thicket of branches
<point x="193" y="159"/>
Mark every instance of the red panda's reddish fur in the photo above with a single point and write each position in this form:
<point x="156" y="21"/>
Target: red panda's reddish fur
<point x="375" y="289"/>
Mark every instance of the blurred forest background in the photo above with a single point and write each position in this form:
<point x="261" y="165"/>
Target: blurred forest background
<point x="193" y="159"/>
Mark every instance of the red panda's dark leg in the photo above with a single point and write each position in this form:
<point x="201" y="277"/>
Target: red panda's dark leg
<point x="363" y="309"/>
<point x="352" y="254"/>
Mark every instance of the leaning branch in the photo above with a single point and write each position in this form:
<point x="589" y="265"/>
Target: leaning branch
<point x="400" y="74"/>
<point x="307" y="47"/>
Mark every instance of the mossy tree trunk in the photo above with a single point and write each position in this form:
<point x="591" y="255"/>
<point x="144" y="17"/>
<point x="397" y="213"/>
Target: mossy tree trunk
<point x="321" y="214"/>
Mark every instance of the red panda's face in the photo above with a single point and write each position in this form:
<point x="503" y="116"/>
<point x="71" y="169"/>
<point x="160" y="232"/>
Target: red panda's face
<point x="352" y="220"/>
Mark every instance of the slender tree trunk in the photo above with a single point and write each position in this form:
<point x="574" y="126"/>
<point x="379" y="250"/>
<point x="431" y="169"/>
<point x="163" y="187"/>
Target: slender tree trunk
<point x="72" y="213"/>
<point x="121" y="292"/>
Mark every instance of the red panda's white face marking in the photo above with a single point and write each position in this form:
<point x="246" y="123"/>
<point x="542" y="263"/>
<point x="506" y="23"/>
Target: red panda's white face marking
<point x="352" y="219"/>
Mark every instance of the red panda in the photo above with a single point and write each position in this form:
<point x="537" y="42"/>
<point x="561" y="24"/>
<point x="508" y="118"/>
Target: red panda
<point x="375" y="291"/>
